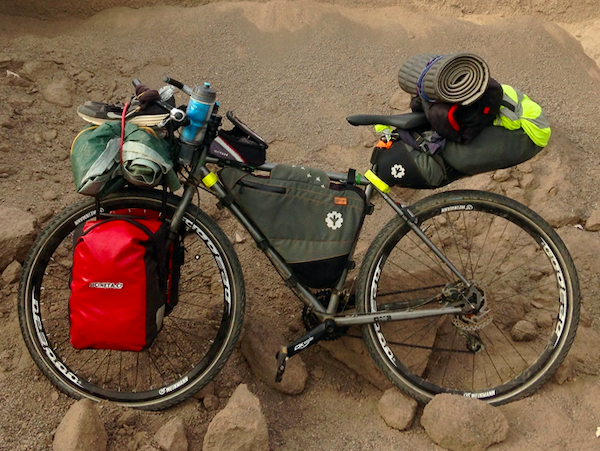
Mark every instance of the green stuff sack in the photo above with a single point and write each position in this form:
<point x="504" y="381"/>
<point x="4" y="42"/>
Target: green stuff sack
<point x="311" y="222"/>
<point x="95" y="159"/>
<point x="494" y="148"/>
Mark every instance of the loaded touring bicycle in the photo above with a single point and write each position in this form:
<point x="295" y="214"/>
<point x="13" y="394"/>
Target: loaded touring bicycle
<point x="464" y="292"/>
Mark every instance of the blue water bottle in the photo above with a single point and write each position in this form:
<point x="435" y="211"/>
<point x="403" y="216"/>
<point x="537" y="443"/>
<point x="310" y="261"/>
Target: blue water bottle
<point x="198" y="111"/>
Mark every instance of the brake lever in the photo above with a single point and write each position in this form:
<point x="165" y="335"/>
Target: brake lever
<point x="175" y="114"/>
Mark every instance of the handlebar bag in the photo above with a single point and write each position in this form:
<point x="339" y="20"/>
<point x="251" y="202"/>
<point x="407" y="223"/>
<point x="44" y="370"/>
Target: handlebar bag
<point x="96" y="159"/>
<point x="118" y="284"/>
<point x="235" y="145"/>
<point x="311" y="222"/>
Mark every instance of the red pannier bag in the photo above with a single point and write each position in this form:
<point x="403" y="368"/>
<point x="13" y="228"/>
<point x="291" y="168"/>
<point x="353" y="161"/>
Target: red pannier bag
<point x="118" y="284"/>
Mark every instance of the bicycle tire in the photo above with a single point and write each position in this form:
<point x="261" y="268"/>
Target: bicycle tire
<point x="531" y="291"/>
<point x="197" y="337"/>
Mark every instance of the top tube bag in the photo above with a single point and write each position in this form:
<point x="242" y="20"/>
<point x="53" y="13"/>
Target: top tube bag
<point x="311" y="222"/>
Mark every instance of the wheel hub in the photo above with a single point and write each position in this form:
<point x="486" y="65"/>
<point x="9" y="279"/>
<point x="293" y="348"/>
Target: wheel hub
<point x="477" y="319"/>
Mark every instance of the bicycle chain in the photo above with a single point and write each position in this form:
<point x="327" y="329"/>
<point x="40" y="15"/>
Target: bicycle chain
<point x="431" y="348"/>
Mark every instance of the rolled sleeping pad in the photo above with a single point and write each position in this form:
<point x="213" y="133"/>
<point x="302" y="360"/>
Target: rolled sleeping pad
<point x="458" y="78"/>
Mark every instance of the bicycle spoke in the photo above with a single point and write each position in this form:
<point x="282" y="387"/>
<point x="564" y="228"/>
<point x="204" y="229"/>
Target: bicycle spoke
<point x="499" y="252"/>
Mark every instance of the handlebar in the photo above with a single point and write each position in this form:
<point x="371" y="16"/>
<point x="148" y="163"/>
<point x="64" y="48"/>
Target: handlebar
<point x="178" y="84"/>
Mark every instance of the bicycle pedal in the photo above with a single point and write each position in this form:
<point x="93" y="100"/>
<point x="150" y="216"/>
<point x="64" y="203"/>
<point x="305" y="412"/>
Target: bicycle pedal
<point x="282" y="358"/>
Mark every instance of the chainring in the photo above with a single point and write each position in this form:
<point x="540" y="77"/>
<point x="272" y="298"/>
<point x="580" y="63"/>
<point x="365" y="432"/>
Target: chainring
<point x="311" y="321"/>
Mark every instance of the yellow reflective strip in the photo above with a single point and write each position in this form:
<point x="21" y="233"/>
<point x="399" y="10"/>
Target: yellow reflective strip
<point x="380" y="184"/>
<point x="210" y="179"/>
<point x="510" y="92"/>
<point x="379" y="128"/>
<point x="540" y="136"/>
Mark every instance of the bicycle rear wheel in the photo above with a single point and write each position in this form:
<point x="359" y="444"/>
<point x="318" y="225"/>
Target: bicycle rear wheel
<point x="531" y="299"/>
<point x="197" y="336"/>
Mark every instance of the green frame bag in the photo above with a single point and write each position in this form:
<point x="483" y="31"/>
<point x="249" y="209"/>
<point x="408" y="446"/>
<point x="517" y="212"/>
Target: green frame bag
<point x="311" y="222"/>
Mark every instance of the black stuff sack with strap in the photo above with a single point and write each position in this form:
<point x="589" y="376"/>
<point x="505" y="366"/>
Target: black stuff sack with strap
<point x="119" y="284"/>
<point x="311" y="222"/>
<point x="403" y="165"/>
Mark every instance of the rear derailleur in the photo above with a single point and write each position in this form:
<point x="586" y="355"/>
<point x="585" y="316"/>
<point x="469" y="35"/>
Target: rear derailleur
<point x="478" y="314"/>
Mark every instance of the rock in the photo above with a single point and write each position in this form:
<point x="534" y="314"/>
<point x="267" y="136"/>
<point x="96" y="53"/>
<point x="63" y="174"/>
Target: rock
<point x="19" y="101"/>
<point x="400" y="101"/>
<point x="318" y="372"/>
<point x="259" y="344"/>
<point x="397" y="409"/>
<point x="17" y="232"/>
<point x="525" y="167"/>
<point x="49" y="195"/>
<point x="593" y="222"/>
<point x="527" y="182"/>
<point x="44" y="215"/>
<point x="564" y="372"/>
<point x="127" y="68"/>
<point x="208" y="390"/>
<point x="12" y="273"/>
<point x="50" y="135"/>
<point x="171" y="437"/>
<point x="40" y="69"/>
<point x="59" y="91"/>
<point x="81" y="429"/>
<point x="367" y="138"/>
<point x="459" y="423"/>
<point x="523" y="331"/>
<point x="545" y="320"/>
<point x="223" y="394"/>
<point x="240" y="426"/>
<point x="236" y="379"/>
<point x="239" y="238"/>
<point x="4" y="148"/>
<point x="84" y="76"/>
<point x="137" y="440"/>
<point x="164" y="61"/>
<point x="559" y="214"/>
<point x="502" y="175"/>
<point x="354" y="354"/>
<point x="6" y="121"/>
<point x="14" y="79"/>
<point x="129" y="418"/>
<point x="210" y="402"/>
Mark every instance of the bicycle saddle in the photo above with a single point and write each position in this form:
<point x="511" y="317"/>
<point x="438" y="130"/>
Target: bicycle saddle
<point x="404" y="121"/>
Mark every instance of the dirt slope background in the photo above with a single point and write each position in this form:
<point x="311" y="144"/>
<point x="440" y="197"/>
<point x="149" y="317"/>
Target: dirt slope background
<point x="294" y="71"/>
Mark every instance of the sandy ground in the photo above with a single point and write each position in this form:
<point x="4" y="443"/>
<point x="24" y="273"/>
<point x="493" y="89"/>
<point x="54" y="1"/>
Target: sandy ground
<point x="294" y="71"/>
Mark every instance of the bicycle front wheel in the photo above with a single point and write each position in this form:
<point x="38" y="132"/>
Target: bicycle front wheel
<point x="197" y="336"/>
<point x="531" y="301"/>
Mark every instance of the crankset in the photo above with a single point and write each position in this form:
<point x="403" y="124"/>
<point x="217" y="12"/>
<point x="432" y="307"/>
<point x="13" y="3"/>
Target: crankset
<point x="311" y="321"/>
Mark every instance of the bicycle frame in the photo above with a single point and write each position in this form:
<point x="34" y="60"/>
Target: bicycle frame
<point x="202" y="174"/>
